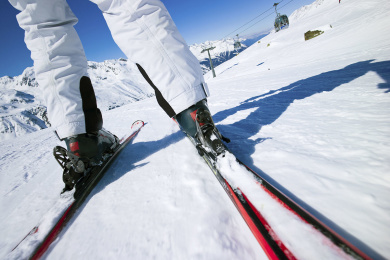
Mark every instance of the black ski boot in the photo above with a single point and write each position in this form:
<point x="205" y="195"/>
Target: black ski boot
<point x="197" y="122"/>
<point x="84" y="151"/>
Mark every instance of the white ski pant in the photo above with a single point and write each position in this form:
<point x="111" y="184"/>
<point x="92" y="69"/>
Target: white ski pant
<point x="144" y="31"/>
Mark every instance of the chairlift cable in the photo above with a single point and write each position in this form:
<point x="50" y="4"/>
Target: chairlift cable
<point x="256" y="22"/>
<point x="251" y="20"/>
<point x="255" y="19"/>
<point x="265" y="17"/>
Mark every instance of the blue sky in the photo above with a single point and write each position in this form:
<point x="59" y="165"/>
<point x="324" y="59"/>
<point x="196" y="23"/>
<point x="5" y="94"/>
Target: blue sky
<point x="197" y="20"/>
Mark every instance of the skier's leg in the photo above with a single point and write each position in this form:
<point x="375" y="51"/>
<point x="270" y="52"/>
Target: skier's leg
<point x="145" y="32"/>
<point x="60" y="65"/>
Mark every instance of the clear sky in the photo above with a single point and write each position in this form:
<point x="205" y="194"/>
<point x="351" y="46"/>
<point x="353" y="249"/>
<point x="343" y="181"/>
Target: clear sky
<point x="197" y="20"/>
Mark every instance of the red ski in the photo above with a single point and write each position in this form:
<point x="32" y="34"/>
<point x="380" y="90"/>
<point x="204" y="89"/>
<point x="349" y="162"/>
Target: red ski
<point x="271" y="244"/>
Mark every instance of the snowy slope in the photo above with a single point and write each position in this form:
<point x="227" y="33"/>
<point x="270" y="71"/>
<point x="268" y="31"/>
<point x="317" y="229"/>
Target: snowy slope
<point x="313" y="116"/>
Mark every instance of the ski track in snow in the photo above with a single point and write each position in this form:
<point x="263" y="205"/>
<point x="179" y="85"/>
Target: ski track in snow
<point x="313" y="116"/>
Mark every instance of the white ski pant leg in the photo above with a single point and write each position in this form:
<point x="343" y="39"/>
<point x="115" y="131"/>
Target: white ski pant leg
<point x="145" y="32"/>
<point x="59" y="60"/>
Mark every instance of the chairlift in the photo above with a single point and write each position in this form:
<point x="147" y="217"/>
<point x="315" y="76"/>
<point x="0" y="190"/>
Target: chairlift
<point x="281" y="21"/>
<point x="237" y="43"/>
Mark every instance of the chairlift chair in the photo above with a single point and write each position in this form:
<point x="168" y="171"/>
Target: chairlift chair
<point x="281" y="21"/>
<point x="237" y="43"/>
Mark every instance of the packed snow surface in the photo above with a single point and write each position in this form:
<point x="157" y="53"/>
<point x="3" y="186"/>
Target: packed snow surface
<point x="311" y="116"/>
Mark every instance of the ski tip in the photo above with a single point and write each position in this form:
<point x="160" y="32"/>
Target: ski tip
<point x="138" y="123"/>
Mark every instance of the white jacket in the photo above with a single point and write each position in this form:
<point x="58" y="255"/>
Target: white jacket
<point x="144" y="31"/>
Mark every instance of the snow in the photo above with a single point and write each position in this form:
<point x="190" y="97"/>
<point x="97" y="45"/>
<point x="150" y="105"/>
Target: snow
<point x="287" y="226"/>
<point x="312" y="116"/>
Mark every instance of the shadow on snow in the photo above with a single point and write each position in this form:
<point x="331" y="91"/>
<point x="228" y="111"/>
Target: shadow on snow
<point x="268" y="108"/>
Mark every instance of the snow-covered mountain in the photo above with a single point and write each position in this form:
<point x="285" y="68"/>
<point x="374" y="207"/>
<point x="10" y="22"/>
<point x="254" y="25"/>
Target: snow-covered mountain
<point x="23" y="110"/>
<point x="224" y="50"/>
<point x="306" y="10"/>
<point x="311" y="116"/>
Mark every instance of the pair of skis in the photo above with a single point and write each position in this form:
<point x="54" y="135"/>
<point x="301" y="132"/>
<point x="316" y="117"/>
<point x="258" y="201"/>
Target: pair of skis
<point x="35" y="244"/>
